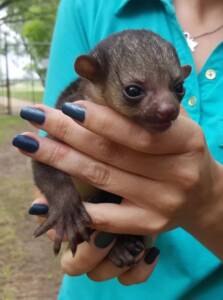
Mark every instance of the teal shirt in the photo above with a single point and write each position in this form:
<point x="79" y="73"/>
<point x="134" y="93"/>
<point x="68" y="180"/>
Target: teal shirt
<point x="186" y="270"/>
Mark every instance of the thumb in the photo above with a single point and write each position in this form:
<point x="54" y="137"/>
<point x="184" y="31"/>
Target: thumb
<point x="118" y="218"/>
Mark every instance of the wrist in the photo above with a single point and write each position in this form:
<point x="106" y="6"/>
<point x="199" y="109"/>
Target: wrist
<point x="205" y="223"/>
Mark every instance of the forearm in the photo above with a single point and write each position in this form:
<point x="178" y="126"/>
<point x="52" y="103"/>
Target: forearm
<point x="207" y="225"/>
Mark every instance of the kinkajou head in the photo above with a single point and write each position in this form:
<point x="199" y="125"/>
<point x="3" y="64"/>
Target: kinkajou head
<point x="138" y="74"/>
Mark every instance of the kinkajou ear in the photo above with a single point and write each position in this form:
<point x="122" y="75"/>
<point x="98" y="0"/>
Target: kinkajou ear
<point x="186" y="70"/>
<point x="88" y="67"/>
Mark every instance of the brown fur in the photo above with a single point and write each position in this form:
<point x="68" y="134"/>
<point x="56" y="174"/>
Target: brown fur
<point x="133" y="57"/>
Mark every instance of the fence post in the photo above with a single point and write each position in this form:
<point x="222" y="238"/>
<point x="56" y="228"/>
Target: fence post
<point x="7" y="77"/>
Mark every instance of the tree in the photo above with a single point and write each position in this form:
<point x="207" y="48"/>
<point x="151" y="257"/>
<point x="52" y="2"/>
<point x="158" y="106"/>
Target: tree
<point x="5" y="3"/>
<point x="33" y="20"/>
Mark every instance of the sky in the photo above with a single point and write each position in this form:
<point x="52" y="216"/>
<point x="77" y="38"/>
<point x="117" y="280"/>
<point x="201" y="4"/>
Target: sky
<point x="17" y="63"/>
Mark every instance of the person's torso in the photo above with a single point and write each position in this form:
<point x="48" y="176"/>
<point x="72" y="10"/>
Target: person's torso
<point x="186" y="270"/>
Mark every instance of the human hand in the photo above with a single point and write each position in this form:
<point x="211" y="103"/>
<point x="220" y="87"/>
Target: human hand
<point x="92" y="259"/>
<point x="168" y="178"/>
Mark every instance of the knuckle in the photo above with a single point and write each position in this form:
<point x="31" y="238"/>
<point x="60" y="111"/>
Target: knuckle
<point x="109" y="150"/>
<point x="57" y="153"/>
<point x="189" y="177"/>
<point x="66" y="266"/>
<point x="159" y="225"/>
<point x="170" y="209"/>
<point x="67" y="269"/>
<point x="62" y="129"/>
<point x="97" y="174"/>
<point x="105" y="148"/>
<point x="85" y="262"/>
<point x="99" y="221"/>
<point x="198" y="142"/>
<point x="51" y="234"/>
<point x="143" y="140"/>
<point x="192" y="181"/>
<point x="77" y="265"/>
<point x="104" y="120"/>
<point x="163" y="214"/>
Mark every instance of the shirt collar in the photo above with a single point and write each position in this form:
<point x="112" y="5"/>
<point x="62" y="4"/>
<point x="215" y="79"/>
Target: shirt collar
<point x="122" y="3"/>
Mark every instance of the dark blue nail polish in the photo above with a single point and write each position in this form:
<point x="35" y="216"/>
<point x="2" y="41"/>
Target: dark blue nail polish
<point x="25" y="143"/>
<point x="151" y="255"/>
<point x="38" y="209"/>
<point x="74" y="111"/>
<point x="33" y="114"/>
<point x="103" y="239"/>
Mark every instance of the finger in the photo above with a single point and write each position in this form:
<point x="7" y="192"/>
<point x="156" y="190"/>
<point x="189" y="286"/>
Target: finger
<point x="108" y="123"/>
<point x="69" y="132"/>
<point x="87" y="256"/>
<point x="52" y="234"/>
<point x="39" y="208"/>
<point x="109" y="152"/>
<point x="125" y="219"/>
<point x="143" y="270"/>
<point x="107" y="270"/>
<point x="95" y="173"/>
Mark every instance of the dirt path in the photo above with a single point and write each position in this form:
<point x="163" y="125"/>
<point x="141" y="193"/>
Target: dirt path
<point x="28" y="269"/>
<point x="16" y="105"/>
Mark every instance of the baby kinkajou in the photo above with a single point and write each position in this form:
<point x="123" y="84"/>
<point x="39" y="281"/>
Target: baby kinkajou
<point x="138" y="74"/>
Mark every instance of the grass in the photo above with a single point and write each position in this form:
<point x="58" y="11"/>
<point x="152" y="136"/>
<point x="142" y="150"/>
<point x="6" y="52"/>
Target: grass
<point x="25" y="95"/>
<point x="29" y="96"/>
<point x="25" y="91"/>
<point x="11" y="189"/>
<point x="11" y="247"/>
<point x="8" y="122"/>
<point x="28" y="270"/>
<point x="8" y="125"/>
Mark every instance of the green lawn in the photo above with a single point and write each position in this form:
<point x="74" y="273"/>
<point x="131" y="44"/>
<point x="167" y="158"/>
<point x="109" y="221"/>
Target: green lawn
<point x="25" y="91"/>
<point x="8" y="125"/>
<point x="25" y="95"/>
<point x="28" y="96"/>
<point x="28" y="268"/>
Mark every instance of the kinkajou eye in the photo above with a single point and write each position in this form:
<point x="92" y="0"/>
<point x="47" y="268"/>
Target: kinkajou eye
<point x="179" y="90"/>
<point x="134" y="93"/>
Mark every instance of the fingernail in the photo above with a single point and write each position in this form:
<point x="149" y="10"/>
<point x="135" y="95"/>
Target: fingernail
<point x="38" y="209"/>
<point x="74" y="111"/>
<point x="33" y="114"/>
<point x="103" y="239"/>
<point x="151" y="255"/>
<point x="25" y="143"/>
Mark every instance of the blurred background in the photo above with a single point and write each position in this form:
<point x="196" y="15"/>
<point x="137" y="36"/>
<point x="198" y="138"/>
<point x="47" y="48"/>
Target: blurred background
<point x="28" y="268"/>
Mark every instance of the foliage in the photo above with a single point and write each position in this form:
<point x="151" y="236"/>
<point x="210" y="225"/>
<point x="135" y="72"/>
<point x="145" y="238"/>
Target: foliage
<point x="33" y="20"/>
